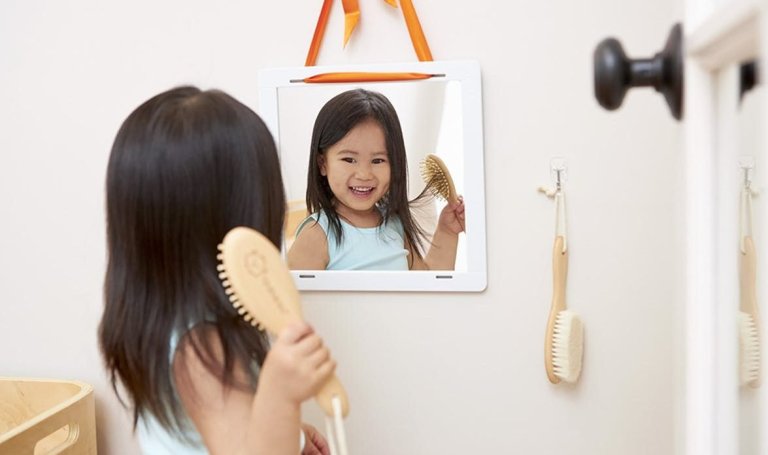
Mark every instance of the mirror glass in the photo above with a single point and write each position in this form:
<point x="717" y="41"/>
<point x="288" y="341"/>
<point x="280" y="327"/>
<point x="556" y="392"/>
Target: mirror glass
<point x="749" y="133"/>
<point x="440" y="115"/>
<point x="741" y="252"/>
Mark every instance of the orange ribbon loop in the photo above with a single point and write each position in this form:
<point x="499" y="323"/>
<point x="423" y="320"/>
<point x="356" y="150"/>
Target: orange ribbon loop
<point x="351" y="19"/>
<point x="414" y="29"/>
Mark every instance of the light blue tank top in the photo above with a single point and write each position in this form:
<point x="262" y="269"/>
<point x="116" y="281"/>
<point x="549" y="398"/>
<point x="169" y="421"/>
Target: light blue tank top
<point x="376" y="248"/>
<point x="154" y="439"/>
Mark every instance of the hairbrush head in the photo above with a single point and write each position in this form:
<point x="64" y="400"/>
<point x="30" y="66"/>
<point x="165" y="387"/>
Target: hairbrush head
<point x="438" y="179"/>
<point x="257" y="281"/>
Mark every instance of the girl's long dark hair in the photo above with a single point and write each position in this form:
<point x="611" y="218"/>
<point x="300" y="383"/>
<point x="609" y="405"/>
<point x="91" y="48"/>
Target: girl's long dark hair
<point x="335" y="119"/>
<point x="186" y="166"/>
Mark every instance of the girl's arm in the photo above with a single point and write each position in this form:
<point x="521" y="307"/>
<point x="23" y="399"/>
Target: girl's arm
<point x="310" y="249"/>
<point x="235" y="420"/>
<point x="445" y="241"/>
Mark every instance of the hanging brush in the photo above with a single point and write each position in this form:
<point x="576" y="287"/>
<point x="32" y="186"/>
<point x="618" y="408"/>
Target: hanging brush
<point x="262" y="291"/>
<point x="564" y="339"/>
<point x="438" y="179"/>
<point x="749" y="328"/>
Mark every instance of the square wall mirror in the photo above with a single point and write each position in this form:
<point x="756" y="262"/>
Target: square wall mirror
<point x="440" y="115"/>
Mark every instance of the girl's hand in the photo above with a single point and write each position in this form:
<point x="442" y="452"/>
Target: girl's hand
<point x="296" y="365"/>
<point x="315" y="443"/>
<point x="452" y="217"/>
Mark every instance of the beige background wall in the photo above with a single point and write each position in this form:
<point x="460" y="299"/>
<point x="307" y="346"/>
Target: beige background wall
<point x="426" y="373"/>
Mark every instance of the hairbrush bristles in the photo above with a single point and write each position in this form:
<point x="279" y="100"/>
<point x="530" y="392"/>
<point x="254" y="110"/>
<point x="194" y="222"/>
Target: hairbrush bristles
<point x="749" y="323"/>
<point x="567" y="346"/>
<point x="749" y="350"/>
<point x="231" y="295"/>
<point x="437" y="178"/>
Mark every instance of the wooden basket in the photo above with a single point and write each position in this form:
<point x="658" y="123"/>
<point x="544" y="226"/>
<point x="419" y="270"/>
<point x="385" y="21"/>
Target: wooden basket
<point x="45" y="416"/>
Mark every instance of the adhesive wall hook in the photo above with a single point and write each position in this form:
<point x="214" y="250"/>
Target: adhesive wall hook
<point x="558" y="171"/>
<point x="560" y="225"/>
<point x="747" y="165"/>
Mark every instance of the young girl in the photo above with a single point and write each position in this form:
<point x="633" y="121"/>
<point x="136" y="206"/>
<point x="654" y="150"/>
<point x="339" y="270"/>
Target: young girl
<point x="358" y="196"/>
<point x="185" y="168"/>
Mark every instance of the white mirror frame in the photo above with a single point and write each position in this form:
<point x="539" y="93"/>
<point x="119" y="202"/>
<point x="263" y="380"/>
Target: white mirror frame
<point x="474" y="279"/>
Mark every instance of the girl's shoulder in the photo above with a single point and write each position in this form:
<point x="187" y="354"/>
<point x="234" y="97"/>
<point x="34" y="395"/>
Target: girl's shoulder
<point x="312" y="222"/>
<point x="309" y="249"/>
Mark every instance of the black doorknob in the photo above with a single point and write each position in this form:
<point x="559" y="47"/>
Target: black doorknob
<point x="749" y="77"/>
<point x="615" y="73"/>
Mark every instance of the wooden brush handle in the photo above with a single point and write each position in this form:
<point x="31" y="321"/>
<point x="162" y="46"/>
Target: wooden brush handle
<point x="331" y="388"/>
<point x="747" y="279"/>
<point x="559" y="274"/>
<point x="559" y="277"/>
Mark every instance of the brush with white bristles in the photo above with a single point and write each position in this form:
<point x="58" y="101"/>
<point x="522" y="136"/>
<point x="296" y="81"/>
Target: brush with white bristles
<point x="749" y="338"/>
<point x="564" y="342"/>
<point x="564" y="339"/>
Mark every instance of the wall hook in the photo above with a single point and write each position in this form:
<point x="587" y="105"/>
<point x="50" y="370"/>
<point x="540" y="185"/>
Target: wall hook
<point x="615" y="73"/>
<point x="558" y="169"/>
<point x="747" y="165"/>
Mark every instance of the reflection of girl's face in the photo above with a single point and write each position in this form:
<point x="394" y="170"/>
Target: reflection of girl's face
<point x="358" y="169"/>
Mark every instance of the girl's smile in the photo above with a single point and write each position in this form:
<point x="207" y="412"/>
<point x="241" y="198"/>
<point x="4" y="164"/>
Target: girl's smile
<point x="361" y="191"/>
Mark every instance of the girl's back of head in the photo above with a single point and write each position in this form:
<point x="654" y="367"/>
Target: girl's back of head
<point x="186" y="166"/>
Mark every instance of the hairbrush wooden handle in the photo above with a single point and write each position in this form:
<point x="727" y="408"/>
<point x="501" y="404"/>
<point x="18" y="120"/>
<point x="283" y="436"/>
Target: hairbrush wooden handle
<point x="747" y="277"/>
<point x="559" y="277"/>
<point x="332" y="388"/>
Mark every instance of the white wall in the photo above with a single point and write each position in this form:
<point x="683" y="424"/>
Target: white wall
<point x="426" y="373"/>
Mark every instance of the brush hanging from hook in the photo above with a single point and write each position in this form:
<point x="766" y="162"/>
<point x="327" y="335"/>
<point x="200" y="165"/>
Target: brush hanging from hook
<point x="564" y="337"/>
<point x="615" y="73"/>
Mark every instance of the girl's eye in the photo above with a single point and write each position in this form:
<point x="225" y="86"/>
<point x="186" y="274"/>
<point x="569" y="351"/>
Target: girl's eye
<point x="379" y="161"/>
<point x="348" y="160"/>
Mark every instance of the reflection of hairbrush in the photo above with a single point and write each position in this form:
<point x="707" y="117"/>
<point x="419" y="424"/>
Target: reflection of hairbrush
<point x="261" y="288"/>
<point x="438" y="179"/>
<point x="749" y="333"/>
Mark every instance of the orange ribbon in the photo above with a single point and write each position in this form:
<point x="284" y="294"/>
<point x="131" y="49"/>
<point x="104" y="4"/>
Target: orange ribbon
<point x="352" y="17"/>
<point x="364" y="77"/>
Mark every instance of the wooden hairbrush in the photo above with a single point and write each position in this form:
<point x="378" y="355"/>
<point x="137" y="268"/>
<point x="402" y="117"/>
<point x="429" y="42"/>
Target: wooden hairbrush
<point x="564" y="342"/>
<point x="438" y="179"/>
<point x="261" y="288"/>
<point x="749" y="328"/>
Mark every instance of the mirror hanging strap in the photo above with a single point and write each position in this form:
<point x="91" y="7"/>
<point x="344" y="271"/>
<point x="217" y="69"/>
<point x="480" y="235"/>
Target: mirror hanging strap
<point x="352" y="17"/>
